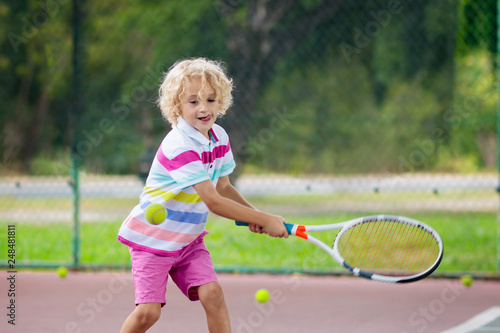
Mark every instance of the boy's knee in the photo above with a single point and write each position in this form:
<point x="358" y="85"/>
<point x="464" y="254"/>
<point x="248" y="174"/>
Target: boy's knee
<point x="148" y="315"/>
<point x="211" y="292"/>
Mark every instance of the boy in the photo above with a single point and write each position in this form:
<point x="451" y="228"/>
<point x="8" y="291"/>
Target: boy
<point x="189" y="176"/>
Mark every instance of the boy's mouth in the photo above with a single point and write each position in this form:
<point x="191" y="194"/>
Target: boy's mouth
<point x="206" y="118"/>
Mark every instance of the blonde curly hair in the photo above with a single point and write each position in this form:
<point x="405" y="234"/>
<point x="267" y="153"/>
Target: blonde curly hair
<point x="209" y="71"/>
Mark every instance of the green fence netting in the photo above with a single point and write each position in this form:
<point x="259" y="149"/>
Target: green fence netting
<point x="342" y="109"/>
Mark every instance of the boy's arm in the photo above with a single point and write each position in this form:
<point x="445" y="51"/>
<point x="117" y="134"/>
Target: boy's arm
<point x="227" y="190"/>
<point x="234" y="210"/>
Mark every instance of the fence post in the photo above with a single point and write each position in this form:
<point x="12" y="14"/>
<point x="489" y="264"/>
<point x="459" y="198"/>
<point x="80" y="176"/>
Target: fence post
<point x="75" y="182"/>
<point x="73" y="127"/>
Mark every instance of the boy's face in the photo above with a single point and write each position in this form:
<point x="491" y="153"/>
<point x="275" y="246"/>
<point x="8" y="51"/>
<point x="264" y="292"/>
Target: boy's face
<point x="199" y="109"/>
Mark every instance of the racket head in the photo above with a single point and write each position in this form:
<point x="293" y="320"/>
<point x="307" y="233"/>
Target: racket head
<point x="388" y="248"/>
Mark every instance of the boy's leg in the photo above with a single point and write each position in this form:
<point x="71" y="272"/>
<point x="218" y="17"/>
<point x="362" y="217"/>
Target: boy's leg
<point x="150" y="274"/>
<point x="195" y="276"/>
<point x="142" y="318"/>
<point x="212" y="299"/>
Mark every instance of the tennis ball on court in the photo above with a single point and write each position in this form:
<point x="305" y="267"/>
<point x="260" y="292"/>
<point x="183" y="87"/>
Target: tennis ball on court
<point x="155" y="213"/>
<point x="262" y="295"/>
<point x="62" y="272"/>
<point x="467" y="280"/>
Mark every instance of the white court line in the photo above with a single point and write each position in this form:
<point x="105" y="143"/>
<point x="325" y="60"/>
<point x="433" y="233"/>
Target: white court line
<point x="477" y="322"/>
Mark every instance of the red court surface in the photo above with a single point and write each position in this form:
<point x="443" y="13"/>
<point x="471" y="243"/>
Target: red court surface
<point x="100" y="302"/>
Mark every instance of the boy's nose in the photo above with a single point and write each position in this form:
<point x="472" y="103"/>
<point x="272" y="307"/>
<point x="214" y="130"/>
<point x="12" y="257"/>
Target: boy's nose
<point x="203" y="106"/>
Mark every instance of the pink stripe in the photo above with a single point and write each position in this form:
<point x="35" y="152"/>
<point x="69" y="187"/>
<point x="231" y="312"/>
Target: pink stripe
<point x="205" y="157"/>
<point x="149" y="249"/>
<point x="158" y="233"/>
<point x="177" y="162"/>
<point x="218" y="152"/>
<point x="156" y="251"/>
<point x="213" y="135"/>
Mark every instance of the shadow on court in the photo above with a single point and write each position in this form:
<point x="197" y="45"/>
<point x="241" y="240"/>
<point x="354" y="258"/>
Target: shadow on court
<point x="100" y="302"/>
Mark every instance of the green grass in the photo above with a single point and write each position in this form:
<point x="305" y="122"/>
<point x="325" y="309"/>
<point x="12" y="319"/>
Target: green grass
<point x="52" y="243"/>
<point x="470" y="242"/>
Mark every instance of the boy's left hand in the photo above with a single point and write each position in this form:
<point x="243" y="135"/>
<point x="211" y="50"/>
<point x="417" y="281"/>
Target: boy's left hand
<point x="255" y="228"/>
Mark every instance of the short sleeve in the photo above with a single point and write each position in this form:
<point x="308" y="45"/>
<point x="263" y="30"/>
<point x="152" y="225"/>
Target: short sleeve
<point x="224" y="152"/>
<point x="228" y="163"/>
<point x="185" y="167"/>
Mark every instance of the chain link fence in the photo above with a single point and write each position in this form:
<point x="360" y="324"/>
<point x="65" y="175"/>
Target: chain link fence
<point x="342" y="109"/>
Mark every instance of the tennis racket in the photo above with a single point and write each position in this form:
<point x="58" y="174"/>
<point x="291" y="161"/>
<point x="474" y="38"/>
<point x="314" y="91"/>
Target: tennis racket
<point x="383" y="248"/>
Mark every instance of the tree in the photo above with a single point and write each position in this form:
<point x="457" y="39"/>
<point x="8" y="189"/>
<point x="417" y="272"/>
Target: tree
<point x="34" y="55"/>
<point x="259" y="34"/>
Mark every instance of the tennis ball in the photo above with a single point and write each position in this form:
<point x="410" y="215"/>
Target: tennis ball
<point x="262" y="295"/>
<point x="467" y="280"/>
<point x="155" y="213"/>
<point x="62" y="272"/>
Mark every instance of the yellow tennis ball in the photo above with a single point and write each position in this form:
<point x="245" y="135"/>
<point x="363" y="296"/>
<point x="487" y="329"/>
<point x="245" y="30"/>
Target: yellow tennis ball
<point x="262" y="295"/>
<point x="62" y="272"/>
<point x="155" y="213"/>
<point x="467" y="280"/>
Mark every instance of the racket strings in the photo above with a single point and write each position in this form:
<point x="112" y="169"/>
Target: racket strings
<point x="389" y="248"/>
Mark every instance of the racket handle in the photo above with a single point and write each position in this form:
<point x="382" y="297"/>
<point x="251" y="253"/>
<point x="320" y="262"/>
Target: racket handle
<point x="288" y="226"/>
<point x="241" y="224"/>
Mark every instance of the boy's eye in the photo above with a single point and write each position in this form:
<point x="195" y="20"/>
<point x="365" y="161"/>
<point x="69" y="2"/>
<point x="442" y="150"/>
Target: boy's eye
<point x="211" y="100"/>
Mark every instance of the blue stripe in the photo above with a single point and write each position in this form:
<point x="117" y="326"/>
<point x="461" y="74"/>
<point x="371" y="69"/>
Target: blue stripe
<point x="216" y="174"/>
<point x="186" y="217"/>
<point x="162" y="179"/>
<point x="227" y="167"/>
<point x="201" y="175"/>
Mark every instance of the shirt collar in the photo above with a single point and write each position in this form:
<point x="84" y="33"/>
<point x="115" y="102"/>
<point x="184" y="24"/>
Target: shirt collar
<point x="193" y="133"/>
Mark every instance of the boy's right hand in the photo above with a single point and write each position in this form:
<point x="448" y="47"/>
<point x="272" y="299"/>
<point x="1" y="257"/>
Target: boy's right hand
<point x="276" y="228"/>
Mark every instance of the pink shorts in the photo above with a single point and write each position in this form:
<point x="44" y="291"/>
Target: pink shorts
<point x="191" y="268"/>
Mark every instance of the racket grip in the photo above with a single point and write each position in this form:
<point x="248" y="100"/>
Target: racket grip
<point x="241" y="224"/>
<point x="288" y="226"/>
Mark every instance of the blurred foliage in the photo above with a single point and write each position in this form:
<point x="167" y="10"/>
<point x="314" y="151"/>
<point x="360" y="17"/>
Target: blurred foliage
<point x="322" y="86"/>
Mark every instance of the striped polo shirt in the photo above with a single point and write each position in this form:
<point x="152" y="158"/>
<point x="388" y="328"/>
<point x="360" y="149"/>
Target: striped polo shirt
<point x="185" y="158"/>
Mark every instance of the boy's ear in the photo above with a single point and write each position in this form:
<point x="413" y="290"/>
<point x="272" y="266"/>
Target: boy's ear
<point x="178" y="110"/>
